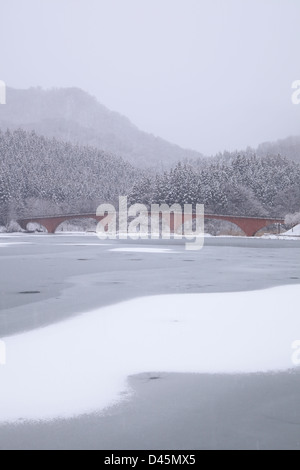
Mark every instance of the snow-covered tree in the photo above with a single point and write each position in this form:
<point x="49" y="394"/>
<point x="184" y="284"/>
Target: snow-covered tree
<point x="40" y="176"/>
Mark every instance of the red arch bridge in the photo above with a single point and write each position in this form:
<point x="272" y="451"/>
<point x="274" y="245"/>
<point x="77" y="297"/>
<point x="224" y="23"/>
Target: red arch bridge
<point x="249" y="225"/>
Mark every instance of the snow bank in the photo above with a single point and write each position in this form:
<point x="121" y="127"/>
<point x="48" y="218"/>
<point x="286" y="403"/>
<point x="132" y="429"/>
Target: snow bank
<point x="12" y="227"/>
<point x="81" y="365"/>
<point x="294" y="232"/>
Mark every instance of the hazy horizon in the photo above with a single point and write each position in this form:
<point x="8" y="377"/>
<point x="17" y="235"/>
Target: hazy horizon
<point x="207" y="75"/>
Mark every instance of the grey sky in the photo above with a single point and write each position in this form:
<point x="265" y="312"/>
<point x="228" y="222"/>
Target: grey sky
<point x="206" y="74"/>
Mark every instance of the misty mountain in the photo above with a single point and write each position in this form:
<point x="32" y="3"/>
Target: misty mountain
<point x="289" y="148"/>
<point x="74" y="116"/>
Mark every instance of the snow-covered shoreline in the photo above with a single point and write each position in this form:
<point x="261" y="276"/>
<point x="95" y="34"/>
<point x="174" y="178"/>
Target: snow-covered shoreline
<point x="81" y="365"/>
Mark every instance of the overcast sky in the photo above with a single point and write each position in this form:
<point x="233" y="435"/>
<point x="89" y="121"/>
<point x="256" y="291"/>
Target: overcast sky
<point x="205" y="74"/>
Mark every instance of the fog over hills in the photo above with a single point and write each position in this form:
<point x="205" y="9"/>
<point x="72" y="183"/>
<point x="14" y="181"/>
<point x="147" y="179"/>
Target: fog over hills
<point x="289" y="148"/>
<point x="72" y="115"/>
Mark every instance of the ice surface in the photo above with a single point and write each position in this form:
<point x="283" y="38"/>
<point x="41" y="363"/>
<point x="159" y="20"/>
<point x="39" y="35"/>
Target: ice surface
<point x="143" y="250"/>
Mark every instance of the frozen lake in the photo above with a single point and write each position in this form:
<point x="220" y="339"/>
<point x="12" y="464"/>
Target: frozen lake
<point x="45" y="279"/>
<point x="49" y="279"/>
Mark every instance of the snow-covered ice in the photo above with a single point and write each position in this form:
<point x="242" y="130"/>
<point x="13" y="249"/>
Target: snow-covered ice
<point x="81" y="365"/>
<point x="143" y="250"/>
<point x="82" y="244"/>
<point x="5" y="245"/>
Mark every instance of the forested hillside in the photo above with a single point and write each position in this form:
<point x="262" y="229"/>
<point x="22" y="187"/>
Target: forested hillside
<point x="237" y="185"/>
<point x="46" y="176"/>
<point x="40" y="176"/>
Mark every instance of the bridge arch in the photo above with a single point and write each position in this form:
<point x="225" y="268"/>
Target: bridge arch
<point x="75" y="221"/>
<point x="38" y="227"/>
<point x="223" y="227"/>
<point x="249" y="225"/>
<point x="267" y="226"/>
<point x="51" y="224"/>
<point x="25" y="223"/>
